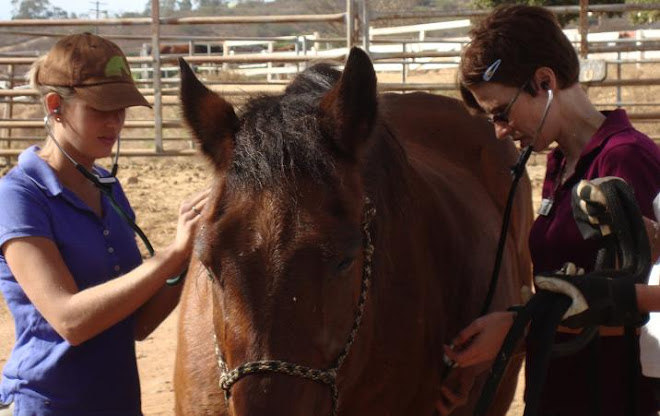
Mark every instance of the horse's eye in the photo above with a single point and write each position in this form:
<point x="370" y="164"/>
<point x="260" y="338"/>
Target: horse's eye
<point x="210" y="274"/>
<point x="345" y="264"/>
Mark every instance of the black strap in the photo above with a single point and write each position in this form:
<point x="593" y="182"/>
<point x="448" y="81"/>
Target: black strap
<point x="514" y="335"/>
<point x="546" y="309"/>
<point x="517" y="172"/>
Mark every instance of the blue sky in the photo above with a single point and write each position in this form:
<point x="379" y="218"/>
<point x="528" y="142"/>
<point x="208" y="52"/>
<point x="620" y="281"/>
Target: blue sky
<point x="83" y="6"/>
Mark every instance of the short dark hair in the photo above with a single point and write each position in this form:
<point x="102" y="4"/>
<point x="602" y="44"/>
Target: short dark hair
<point x="524" y="38"/>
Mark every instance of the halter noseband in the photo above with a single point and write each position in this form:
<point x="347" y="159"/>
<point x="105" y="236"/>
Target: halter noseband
<point x="329" y="376"/>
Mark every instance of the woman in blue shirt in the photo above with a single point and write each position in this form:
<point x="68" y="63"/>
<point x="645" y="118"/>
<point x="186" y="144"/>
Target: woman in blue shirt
<point x="70" y="269"/>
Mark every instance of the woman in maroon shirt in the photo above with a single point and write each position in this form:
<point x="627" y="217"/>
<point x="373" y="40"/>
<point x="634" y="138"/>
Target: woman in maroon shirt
<point x="522" y="71"/>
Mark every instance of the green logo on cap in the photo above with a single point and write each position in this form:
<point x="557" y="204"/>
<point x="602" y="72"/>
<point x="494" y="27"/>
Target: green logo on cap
<point x="116" y="66"/>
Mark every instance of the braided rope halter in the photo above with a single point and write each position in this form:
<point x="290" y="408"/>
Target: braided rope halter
<point x="329" y="376"/>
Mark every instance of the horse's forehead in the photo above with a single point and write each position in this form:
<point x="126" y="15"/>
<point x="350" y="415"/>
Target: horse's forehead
<point x="269" y="217"/>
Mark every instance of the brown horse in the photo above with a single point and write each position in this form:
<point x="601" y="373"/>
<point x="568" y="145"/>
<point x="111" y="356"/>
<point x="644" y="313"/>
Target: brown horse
<point x="349" y="235"/>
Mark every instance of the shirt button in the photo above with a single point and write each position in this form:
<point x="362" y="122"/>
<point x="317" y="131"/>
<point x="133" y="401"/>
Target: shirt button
<point x="117" y="268"/>
<point x="106" y="232"/>
<point x="111" y="250"/>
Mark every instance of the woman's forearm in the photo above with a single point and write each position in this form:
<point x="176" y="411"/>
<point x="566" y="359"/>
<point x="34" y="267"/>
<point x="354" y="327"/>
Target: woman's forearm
<point x="653" y="232"/>
<point x="648" y="297"/>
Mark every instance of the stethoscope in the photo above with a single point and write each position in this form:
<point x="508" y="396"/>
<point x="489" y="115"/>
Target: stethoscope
<point x="516" y="171"/>
<point x="104" y="184"/>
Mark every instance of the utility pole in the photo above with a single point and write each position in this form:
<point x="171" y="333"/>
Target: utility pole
<point x="584" y="28"/>
<point x="158" y="94"/>
<point x="96" y="10"/>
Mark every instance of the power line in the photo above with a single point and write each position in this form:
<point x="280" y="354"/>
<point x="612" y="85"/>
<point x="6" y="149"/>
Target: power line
<point x="96" y="10"/>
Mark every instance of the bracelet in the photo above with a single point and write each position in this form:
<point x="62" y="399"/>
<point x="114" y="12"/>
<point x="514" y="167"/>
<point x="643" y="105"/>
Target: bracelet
<point x="515" y="309"/>
<point x="175" y="281"/>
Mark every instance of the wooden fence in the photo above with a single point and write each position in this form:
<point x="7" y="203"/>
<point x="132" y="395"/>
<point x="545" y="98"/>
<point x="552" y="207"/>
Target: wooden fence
<point x="357" y="19"/>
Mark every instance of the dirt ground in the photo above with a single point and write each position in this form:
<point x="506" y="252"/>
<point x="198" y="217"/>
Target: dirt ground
<point x="155" y="187"/>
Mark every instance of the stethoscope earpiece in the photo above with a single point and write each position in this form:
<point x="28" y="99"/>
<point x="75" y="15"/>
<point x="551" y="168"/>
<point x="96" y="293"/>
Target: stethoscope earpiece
<point x="56" y="114"/>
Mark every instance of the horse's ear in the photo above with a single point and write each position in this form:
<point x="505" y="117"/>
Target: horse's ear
<point x="349" y="109"/>
<point x="211" y="118"/>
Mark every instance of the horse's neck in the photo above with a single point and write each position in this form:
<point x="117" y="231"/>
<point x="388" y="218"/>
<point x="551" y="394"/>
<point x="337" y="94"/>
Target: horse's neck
<point x="401" y="291"/>
<point x="392" y="183"/>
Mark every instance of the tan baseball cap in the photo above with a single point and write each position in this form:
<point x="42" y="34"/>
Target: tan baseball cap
<point x="95" y="68"/>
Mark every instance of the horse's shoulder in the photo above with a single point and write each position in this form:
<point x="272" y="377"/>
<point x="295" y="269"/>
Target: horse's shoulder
<point x="442" y="139"/>
<point x="443" y="127"/>
<point x="436" y="120"/>
<point x="422" y="102"/>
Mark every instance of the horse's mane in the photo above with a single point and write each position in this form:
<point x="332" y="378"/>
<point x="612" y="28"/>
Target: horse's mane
<point x="280" y="136"/>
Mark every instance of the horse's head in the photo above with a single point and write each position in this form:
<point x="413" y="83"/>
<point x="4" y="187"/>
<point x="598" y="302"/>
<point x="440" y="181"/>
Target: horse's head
<point x="283" y="240"/>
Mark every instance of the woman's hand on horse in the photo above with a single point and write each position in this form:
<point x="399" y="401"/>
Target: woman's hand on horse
<point x="455" y="391"/>
<point x="190" y="212"/>
<point x="480" y="341"/>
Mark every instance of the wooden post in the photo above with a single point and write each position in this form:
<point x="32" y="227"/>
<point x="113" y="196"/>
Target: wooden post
<point x="316" y="45"/>
<point x="158" y="95"/>
<point x="9" y="114"/>
<point x="618" y="77"/>
<point x="350" y="24"/>
<point x="225" y="52"/>
<point x="404" y="64"/>
<point x="144" y="74"/>
<point x="305" y="49"/>
<point x="365" y="25"/>
<point x="584" y="28"/>
<point x="269" y="65"/>
<point x="296" y="47"/>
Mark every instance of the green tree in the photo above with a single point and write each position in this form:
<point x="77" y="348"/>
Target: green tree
<point x="168" y="6"/>
<point x="563" y="19"/>
<point x="644" y="16"/>
<point x="389" y="6"/>
<point x="201" y="4"/>
<point x="59" y="13"/>
<point x="185" y="5"/>
<point x="36" y="9"/>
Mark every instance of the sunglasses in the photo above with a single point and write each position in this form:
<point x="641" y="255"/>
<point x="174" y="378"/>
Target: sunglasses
<point x="503" y="116"/>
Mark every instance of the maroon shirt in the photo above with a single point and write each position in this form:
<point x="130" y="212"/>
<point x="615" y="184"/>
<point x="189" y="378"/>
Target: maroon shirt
<point x="617" y="149"/>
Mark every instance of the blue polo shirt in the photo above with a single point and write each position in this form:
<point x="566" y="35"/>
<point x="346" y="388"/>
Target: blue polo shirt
<point x="44" y="374"/>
